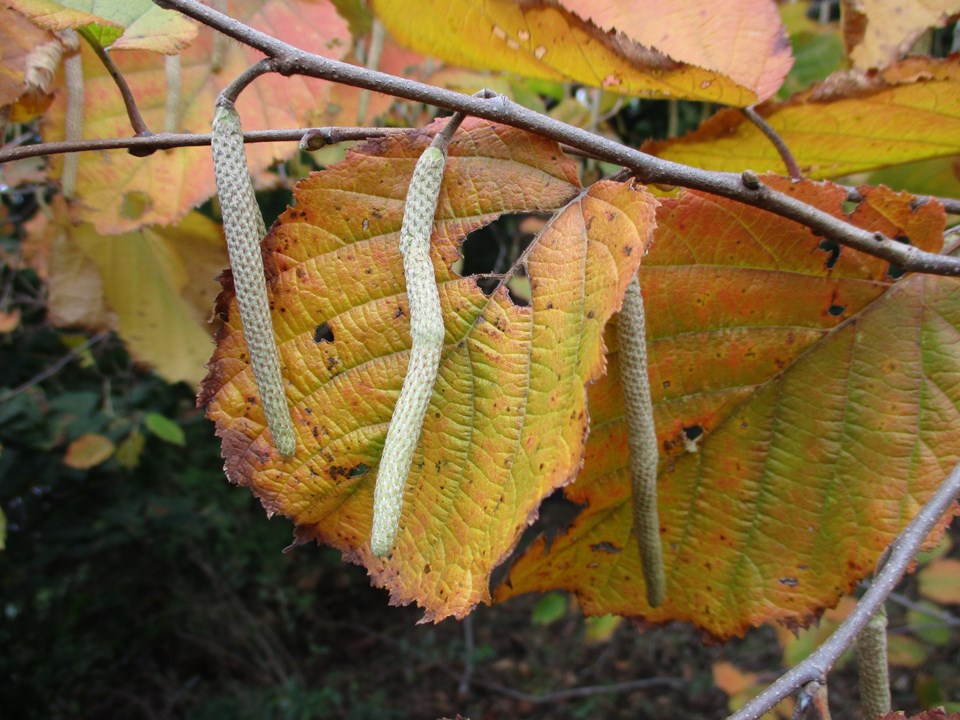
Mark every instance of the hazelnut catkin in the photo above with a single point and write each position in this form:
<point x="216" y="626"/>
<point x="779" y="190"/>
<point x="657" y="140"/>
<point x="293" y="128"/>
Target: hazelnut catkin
<point x="244" y="229"/>
<point x="426" y="332"/>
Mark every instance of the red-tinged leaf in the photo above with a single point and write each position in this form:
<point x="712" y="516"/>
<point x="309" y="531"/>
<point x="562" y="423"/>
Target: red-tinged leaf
<point x="735" y="53"/>
<point x="935" y="714"/>
<point x="879" y="32"/>
<point x="805" y="406"/>
<point x="852" y="122"/>
<point x="88" y="451"/>
<point x="507" y="421"/>
<point x="940" y="581"/>
<point x="120" y="193"/>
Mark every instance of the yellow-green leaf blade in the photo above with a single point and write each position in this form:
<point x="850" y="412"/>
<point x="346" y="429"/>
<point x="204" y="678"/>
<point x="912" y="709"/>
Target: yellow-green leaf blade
<point x="799" y="436"/>
<point x="850" y="123"/>
<point x="507" y="420"/>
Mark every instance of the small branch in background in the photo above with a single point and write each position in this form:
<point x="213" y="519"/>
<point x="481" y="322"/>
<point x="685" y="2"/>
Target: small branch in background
<point x="129" y="102"/>
<point x="167" y="141"/>
<point x="942" y="616"/>
<point x="793" y="170"/>
<point x="903" y="548"/>
<point x="377" y="36"/>
<point x="872" y="666"/>
<point x="463" y="688"/>
<point x="56" y="367"/>
<point x="673" y="118"/>
<point x="172" y="68"/>
<point x="951" y="205"/>
<point x="580" y="692"/>
<point x="73" y="77"/>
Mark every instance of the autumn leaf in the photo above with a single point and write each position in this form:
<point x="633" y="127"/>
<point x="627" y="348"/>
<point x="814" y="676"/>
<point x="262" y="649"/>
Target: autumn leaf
<point x="25" y="72"/>
<point x="806" y="407"/>
<point x="507" y="421"/>
<point x="735" y="53"/>
<point x="124" y="24"/>
<point x="155" y="286"/>
<point x="117" y="192"/>
<point x="852" y="122"/>
<point x="940" y="581"/>
<point x="878" y="32"/>
<point x="88" y="451"/>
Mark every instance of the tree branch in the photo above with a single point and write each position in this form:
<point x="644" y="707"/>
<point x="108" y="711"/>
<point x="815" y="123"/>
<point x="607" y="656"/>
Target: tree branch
<point x="167" y="141"/>
<point x="902" y="550"/>
<point x="133" y="112"/>
<point x="649" y="169"/>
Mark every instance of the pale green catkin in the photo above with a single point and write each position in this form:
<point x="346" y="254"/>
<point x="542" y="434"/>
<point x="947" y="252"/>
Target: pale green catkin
<point x="642" y="438"/>
<point x="872" y="666"/>
<point x="244" y="229"/>
<point x="426" y="332"/>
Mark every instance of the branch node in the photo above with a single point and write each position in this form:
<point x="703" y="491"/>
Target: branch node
<point x="750" y="180"/>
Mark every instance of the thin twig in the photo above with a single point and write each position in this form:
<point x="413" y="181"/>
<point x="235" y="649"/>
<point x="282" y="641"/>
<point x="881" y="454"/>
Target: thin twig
<point x="793" y="170"/>
<point x="463" y="689"/>
<point x="240" y="83"/>
<point x="906" y="545"/>
<point x="377" y="37"/>
<point x="55" y="368"/>
<point x="167" y="141"/>
<point x="133" y="112"/>
<point x="951" y="205"/>
<point x="580" y="692"/>
<point x="291" y="61"/>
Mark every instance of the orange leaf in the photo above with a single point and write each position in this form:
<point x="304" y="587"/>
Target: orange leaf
<point x="507" y="422"/>
<point x="806" y="407"/>
<point x="879" y="32"/>
<point x="731" y="679"/>
<point x="735" y="53"/>
<point x="851" y="122"/>
<point x="940" y="581"/>
<point x="88" y="451"/>
<point x="120" y="193"/>
<point x="19" y="42"/>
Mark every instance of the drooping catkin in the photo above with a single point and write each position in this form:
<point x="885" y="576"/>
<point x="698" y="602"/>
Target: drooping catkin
<point x="873" y="667"/>
<point x="244" y="229"/>
<point x="642" y="440"/>
<point x="426" y="332"/>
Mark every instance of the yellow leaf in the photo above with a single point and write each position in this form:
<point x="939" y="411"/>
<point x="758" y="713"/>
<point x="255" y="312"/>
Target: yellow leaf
<point x="879" y="32"/>
<point x="88" y="451"/>
<point x="735" y="53"/>
<point x="507" y="419"/>
<point x="852" y="122"/>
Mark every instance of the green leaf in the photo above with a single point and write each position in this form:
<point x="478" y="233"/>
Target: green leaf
<point x="130" y="450"/>
<point x="550" y="608"/>
<point x="165" y="429"/>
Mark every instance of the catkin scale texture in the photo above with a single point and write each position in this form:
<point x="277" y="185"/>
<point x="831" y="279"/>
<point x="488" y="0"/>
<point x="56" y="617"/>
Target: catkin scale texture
<point x="426" y="332"/>
<point x="642" y="439"/>
<point x="244" y="229"/>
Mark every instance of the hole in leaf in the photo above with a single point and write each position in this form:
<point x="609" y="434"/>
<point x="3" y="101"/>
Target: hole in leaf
<point x="557" y="515"/>
<point x="836" y="310"/>
<point x="693" y="432"/>
<point x="323" y="333"/>
<point x="895" y="272"/>
<point x="491" y="252"/>
<point x="832" y="247"/>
